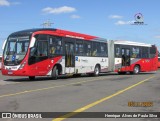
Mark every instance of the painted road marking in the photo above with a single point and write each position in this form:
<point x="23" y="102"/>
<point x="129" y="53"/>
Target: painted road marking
<point x="99" y="101"/>
<point x="2" y="82"/>
<point x="47" y="88"/>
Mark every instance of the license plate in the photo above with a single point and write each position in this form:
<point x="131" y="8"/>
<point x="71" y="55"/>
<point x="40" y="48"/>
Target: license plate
<point x="10" y="72"/>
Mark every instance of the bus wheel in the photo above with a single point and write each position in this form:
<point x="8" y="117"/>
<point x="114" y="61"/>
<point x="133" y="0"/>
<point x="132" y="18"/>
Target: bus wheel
<point x="136" y="69"/>
<point x="55" y="73"/>
<point x="31" y="77"/>
<point x="96" y="71"/>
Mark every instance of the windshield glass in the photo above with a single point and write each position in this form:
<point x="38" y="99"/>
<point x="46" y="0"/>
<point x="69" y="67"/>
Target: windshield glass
<point x="15" y="50"/>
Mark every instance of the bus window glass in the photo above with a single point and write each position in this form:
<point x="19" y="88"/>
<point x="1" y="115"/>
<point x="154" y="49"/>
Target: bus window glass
<point x="96" y="49"/>
<point x="87" y="48"/>
<point x="79" y="47"/>
<point x="55" y="45"/>
<point x="117" y="51"/>
<point x="127" y="52"/>
<point x="135" y="52"/>
<point x="103" y="50"/>
<point x="42" y="48"/>
<point x="71" y="48"/>
<point x="15" y="50"/>
<point x="152" y="51"/>
<point x="145" y="52"/>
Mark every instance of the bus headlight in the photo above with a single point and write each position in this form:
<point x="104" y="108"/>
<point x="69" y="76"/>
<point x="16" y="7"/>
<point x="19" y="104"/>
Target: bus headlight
<point x="22" y="65"/>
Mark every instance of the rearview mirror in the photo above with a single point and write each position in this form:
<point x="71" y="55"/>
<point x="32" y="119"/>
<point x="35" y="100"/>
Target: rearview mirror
<point x="4" y="43"/>
<point x="33" y="40"/>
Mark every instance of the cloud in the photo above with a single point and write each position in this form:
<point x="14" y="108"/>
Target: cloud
<point x="115" y="17"/>
<point x="75" y="16"/>
<point x="15" y="3"/>
<point x="64" y="9"/>
<point x="158" y="37"/>
<point x="4" y="3"/>
<point x="124" y="22"/>
<point x="7" y="3"/>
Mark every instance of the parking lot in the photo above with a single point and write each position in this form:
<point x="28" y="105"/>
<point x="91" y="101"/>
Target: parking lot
<point x="106" y="93"/>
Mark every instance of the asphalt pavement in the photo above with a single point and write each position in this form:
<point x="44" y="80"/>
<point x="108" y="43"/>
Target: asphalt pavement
<point x="107" y="93"/>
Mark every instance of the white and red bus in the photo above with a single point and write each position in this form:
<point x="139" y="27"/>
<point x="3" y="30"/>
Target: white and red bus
<point x="53" y="52"/>
<point x="133" y="57"/>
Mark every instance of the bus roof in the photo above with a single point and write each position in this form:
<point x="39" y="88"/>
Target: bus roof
<point x="131" y="43"/>
<point x="58" y="32"/>
<point x="29" y="31"/>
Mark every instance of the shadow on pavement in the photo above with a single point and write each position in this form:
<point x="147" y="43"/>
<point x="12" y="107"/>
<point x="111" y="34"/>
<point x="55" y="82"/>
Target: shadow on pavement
<point x="64" y="78"/>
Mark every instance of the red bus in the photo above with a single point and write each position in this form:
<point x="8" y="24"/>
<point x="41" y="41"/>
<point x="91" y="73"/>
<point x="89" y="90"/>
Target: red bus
<point x="133" y="57"/>
<point x="53" y="52"/>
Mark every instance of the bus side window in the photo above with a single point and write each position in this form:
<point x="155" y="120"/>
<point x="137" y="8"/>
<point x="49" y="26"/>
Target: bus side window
<point x="103" y="49"/>
<point x="145" y="52"/>
<point x="55" y="44"/>
<point x="59" y="48"/>
<point x="117" y="51"/>
<point x="79" y="47"/>
<point x="152" y="51"/>
<point x="136" y="53"/>
<point x="87" y="48"/>
<point x="95" y="48"/>
<point x="42" y="48"/>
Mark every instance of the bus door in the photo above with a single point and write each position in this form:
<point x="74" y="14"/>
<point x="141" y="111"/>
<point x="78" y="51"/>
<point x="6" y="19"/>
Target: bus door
<point x="39" y="58"/>
<point x="126" y="59"/>
<point x="69" y="57"/>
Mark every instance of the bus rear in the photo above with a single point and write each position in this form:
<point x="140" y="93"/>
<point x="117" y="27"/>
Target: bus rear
<point x="134" y="57"/>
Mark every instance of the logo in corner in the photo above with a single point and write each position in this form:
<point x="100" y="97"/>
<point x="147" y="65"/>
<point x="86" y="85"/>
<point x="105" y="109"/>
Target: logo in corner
<point x="139" y="19"/>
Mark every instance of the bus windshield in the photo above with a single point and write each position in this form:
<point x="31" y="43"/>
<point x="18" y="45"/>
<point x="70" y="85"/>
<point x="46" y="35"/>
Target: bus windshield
<point x="15" y="50"/>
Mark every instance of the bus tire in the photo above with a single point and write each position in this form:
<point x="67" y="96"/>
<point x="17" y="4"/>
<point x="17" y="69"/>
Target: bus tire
<point x="31" y="77"/>
<point x="96" y="70"/>
<point x="136" y="69"/>
<point x="55" y="73"/>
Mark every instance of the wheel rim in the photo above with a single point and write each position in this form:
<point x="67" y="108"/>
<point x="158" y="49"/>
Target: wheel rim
<point x="56" y="72"/>
<point x="136" y="70"/>
<point x="96" y="70"/>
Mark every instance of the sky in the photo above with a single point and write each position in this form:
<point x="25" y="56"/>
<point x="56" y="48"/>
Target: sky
<point x="110" y="19"/>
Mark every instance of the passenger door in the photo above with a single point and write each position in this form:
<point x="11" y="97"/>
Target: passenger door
<point x="69" y="57"/>
<point x="125" y="58"/>
<point x="39" y="58"/>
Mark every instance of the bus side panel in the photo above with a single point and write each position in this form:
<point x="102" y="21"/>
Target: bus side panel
<point x="41" y="68"/>
<point x="145" y="65"/>
<point x="118" y="64"/>
<point x="87" y="64"/>
<point x="44" y="67"/>
<point x="154" y="64"/>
